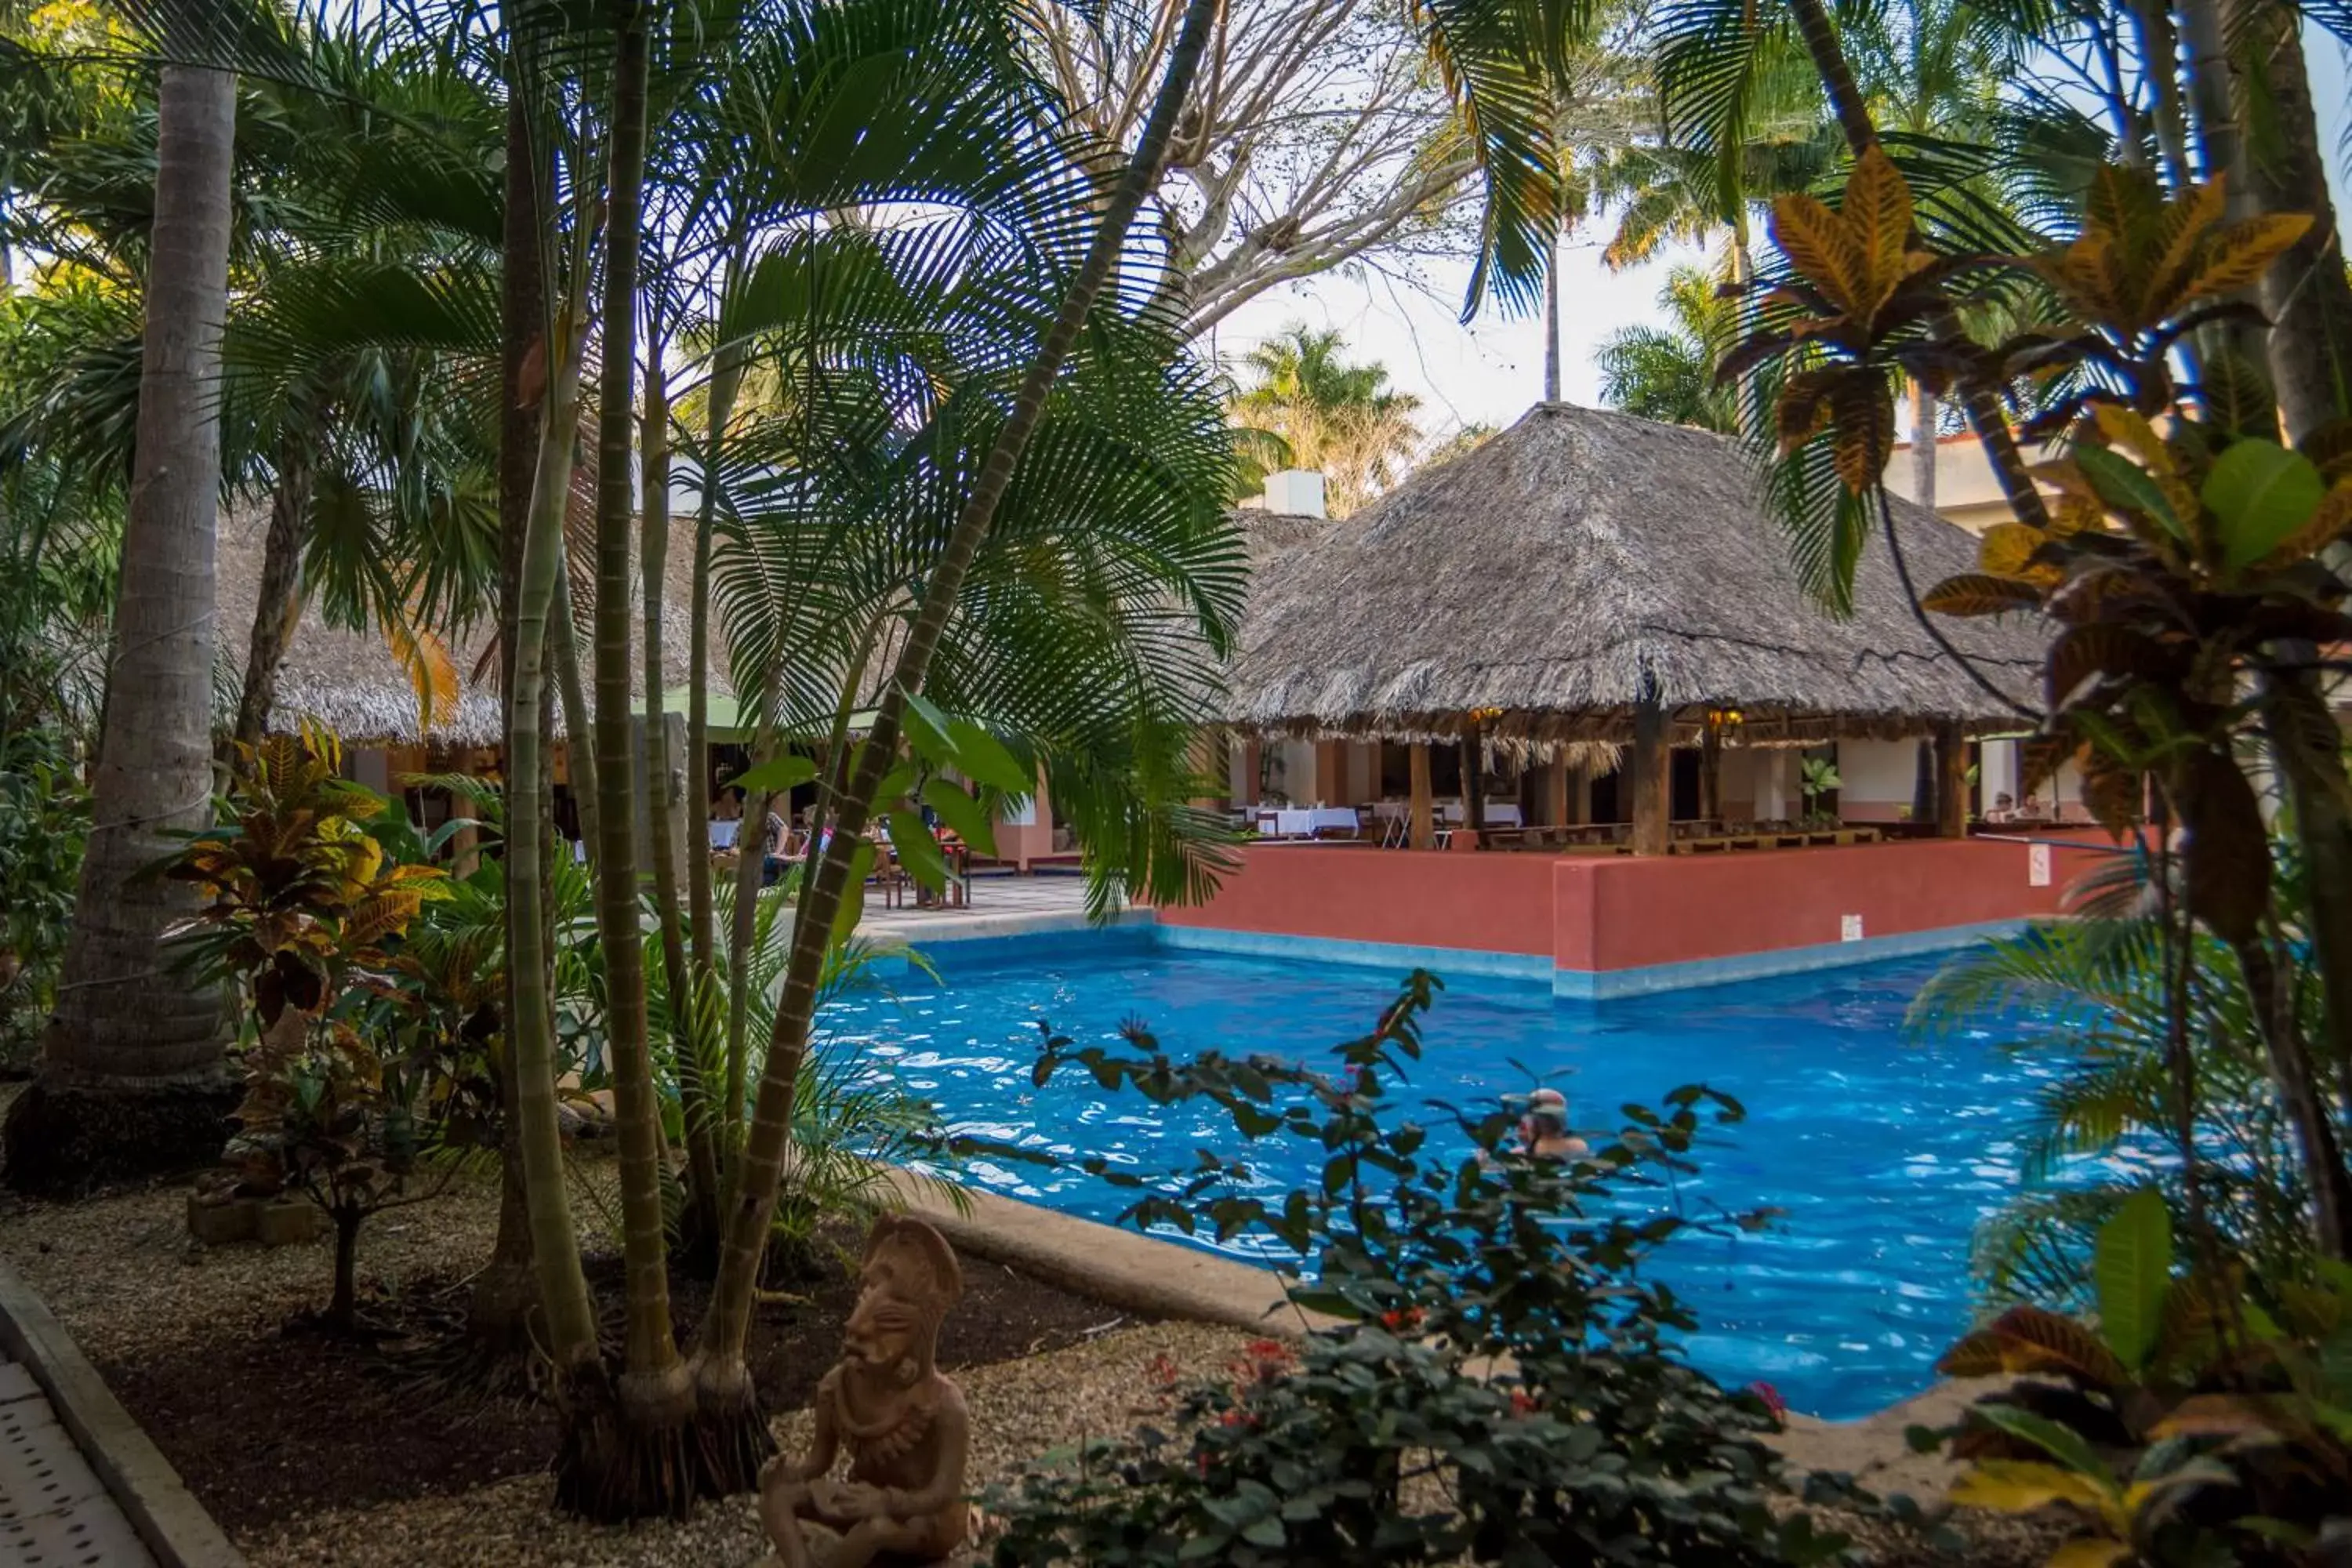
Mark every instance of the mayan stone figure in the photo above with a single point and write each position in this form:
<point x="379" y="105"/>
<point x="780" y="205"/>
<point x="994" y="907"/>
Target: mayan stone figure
<point x="884" y="1402"/>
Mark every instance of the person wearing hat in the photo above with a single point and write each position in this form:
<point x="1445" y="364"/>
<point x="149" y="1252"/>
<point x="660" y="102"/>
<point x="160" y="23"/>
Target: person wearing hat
<point x="1543" y="1130"/>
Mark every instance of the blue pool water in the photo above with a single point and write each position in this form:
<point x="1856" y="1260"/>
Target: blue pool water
<point x="1883" y="1151"/>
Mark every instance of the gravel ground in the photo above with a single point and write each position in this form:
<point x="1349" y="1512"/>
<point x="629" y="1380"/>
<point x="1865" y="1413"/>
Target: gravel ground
<point x="1019" y="1410"/>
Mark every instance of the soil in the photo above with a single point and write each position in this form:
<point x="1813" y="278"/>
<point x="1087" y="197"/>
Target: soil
<point x="263" y="1428"/>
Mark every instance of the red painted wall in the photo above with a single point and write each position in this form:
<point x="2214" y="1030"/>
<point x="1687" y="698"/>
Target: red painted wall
<point x="1625" y="913"/>
<point x="1599" y="913"/>
<point x="1428" y="898"/>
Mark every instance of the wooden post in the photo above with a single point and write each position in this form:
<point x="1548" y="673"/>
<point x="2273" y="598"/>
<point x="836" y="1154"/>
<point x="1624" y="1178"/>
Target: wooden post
<point x="1474" y="785"/>
<point x="1710" y="772"/>
<point x="1653" y="779"/>
<point x="1556" y="791"/>
<point x="1951" y="781"/>
<point x="1423" y="834"/>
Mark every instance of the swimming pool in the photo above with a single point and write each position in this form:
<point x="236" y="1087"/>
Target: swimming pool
<point x="1882" y="1152"/>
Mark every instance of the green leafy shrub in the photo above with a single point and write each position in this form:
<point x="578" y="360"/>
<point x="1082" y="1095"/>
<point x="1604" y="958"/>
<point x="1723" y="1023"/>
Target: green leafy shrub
<point x="1500" y="1385"/>
<point x="43" y="823"/>
<point x="2197" y="1415"/>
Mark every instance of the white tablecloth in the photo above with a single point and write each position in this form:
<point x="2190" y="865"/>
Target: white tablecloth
<point x="1304" y="822"/>
<point x="1504" y="814"/>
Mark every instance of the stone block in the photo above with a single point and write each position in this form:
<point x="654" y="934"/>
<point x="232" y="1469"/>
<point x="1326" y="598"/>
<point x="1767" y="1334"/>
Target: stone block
<point x="289" y="1222"/>
<point x="219" y="1221"/>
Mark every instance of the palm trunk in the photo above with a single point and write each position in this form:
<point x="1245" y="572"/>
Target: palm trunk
<point x="686" y="993"/>
<point x="130" y="1080"/>
<point x="726" y="376"/>
<point x="2273" y="991"/>
<point x="645" y="1465"/>
<point x="572" y="1343"/>
<point x="579" y="743"/>
<point x="497" y="1315"/>
<point x="1551" y="321"/>
<point x="2159" y="49"/>
<point x="1923" y="445"/>
<point x="2306" y="747"/>
<point x="2305" y="293"/>
<point x="725" y="1383"/>
<point x="1982" y="403"/>
<point x="279" y="604"/>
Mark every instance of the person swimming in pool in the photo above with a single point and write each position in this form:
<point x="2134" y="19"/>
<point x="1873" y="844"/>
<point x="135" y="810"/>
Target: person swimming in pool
<point x="1543" y="1129"/>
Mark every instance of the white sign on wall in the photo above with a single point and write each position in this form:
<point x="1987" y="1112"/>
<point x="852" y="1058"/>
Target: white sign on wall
<point x="2037" y="864"/>
<point x="1849" y="927"/>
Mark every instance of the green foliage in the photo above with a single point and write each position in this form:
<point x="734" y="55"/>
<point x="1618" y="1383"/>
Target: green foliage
<point x="1668" y="372"/>
<point x="1397" y="1437"/>
<point x="44" y="823"/>
<point x="2197" y="1416"/>
<point x="1307" y="406"/>
<point x="303" y="912"/>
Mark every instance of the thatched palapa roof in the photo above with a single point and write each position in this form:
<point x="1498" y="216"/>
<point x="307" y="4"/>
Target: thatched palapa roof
<point x="1581" y="562"/>
<point x="354" y="682"/>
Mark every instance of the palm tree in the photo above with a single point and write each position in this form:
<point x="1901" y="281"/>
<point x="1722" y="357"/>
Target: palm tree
<point x="1328" y="413"/>
<point x="132" y="1079"/>
<point x="1667" y="372"/>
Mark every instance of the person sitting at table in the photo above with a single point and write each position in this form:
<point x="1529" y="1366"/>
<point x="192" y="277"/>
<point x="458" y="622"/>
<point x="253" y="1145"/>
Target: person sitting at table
<point x="728" y="806"/>
<point x="772" y="850"/>
<point x="2004" y="808"/>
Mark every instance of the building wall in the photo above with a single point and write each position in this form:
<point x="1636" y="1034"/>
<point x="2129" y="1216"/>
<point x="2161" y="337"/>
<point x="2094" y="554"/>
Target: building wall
<point x="1487" y="903"/>
<point x="1877" y="778"/>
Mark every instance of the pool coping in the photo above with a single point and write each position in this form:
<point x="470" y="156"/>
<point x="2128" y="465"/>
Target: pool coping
<point x="1149" y="1274"/>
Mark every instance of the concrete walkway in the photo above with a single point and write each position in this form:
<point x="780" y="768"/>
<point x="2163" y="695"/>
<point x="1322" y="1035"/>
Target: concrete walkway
<point x="54" y="1510"/>
<point x="1001" y="906"/>
<point x="81" y="1485"/>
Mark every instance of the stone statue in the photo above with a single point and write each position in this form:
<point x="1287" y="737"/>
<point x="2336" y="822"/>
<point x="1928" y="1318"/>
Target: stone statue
<point x="903" y="1423"/>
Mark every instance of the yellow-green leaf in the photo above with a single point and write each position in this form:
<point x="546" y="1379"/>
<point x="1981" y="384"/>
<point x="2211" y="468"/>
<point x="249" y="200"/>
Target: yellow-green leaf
<point x="2128" y="489"/>
<point x="1820" y="246"/>
<point x="2187" y="219"/>
<point x="2242" y="252"/>
<point x="1977" y="594"/>
<point x="2261" y="494"/>
<point x="1877" y="213"/>
<point x="2008" y="549"/>
<point x="2020" y="1486"/>
<point x="2131" y="1257"/>
<point x="2089" y="1551"/>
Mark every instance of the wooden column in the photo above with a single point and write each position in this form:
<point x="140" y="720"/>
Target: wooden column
<point x="1555" y="793"/>
<point x="1951" y="781"/>
<point x="1474" y="788"/>
<point x="1424" y="835"/>
<point x="1653" y="779"/>
<point x="1710" y="772"/>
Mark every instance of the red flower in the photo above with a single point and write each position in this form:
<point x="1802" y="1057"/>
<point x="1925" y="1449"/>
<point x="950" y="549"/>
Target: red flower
<point x="1400" y="1319"/>
<point x="1523" y="1403"/>
<point x="1772" y="1400"/>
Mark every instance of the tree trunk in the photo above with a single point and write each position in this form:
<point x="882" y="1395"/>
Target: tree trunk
<point x="726" y="376"/>
<point x="2159" y="48"/>
<point x="647" y="1467"/>
<point x="343" y="1311"/>
<point x="1551" y="321"/>
<point x="1422" y="826"/>
<point x="686" y="1037"/>
<point x="1474" y="785"/>
<point x="570" y="1320"/>
<point x="2305" y="293"/>
<point x="130" y="1081"/>
<point x="1951" y="781"/>
<point x="506" y="1293"/>
<point x="1923" y="445"/>
<point x="278" y="605"/>
<point x="2306" y="748"/>
<point x="1710" y="772"/>
<point x="579" y="735"/>
<point x="723" y="1380"/>
<point x="2272" y="988"/>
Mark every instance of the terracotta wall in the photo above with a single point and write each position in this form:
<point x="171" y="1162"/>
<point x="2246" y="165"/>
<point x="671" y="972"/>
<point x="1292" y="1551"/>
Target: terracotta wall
<point x="1625" y="913"/>
<point x="1600" y="913"/>
<point x="1487" y="903"/>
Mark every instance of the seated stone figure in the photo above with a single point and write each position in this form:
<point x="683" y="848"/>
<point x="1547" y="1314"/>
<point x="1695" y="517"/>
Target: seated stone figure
<point x="903" y="1423"/>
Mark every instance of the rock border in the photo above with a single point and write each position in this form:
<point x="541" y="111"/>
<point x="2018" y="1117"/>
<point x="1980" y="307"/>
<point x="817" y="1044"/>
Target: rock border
<point x="169" y="1520"/>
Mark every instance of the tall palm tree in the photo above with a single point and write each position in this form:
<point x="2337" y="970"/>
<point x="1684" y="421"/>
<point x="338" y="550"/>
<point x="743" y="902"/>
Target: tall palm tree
<point x="1328" y="413"/>
<point x="1668" y="372"/>
<point x="132" y="1079"/>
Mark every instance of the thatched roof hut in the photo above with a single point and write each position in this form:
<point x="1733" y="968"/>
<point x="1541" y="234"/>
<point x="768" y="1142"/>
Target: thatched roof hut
<point x="1578" y="563"/>
<point x="354" y="682"/>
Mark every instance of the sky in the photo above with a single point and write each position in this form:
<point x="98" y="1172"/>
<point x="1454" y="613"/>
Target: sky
<point x="1491" y="370"/>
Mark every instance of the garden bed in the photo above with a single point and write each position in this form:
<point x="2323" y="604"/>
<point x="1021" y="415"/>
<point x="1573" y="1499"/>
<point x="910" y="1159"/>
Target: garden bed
<point x="316" y="1453"/>
<point x="312" y="1450"/>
